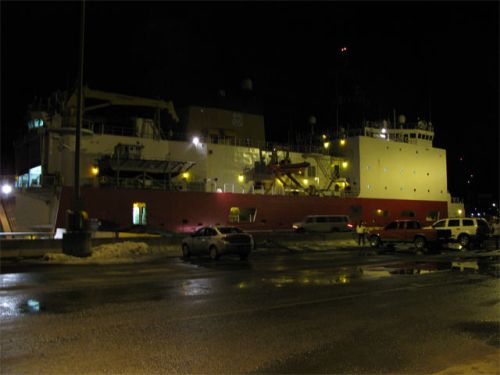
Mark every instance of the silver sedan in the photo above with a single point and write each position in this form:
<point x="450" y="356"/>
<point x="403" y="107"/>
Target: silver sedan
<point x="216" y="241"/>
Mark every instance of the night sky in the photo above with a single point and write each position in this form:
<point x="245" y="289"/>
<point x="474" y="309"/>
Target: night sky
<point x="423" y="59"/>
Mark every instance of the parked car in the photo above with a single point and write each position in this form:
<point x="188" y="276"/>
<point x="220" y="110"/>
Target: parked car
<point x="464" y="230"/>
<point x="216" y="241"/>
<point x="404" y="231"/>
<point x="323" y="223"/>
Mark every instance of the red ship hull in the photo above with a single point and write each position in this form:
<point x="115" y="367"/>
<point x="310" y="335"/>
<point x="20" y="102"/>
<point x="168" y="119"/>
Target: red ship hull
<point x="185" y="211"/>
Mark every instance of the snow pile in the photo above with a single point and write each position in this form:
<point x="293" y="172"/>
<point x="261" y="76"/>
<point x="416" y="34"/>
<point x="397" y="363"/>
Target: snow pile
<point x="118" y="252"/>
<point x="306" y="245"/>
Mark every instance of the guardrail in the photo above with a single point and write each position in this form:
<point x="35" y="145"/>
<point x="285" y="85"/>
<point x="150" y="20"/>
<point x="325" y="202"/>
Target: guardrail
<point x="26" y="235"/>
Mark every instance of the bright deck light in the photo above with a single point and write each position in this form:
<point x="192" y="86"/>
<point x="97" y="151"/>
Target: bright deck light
<point x="6" y="189"/>
<point x="342" y="142"/>
<point x="344" y="164"/>
<point x="241" y="178"/>
<point x="196" y="141"/>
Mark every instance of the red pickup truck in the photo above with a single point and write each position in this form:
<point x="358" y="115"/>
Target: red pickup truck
<point x="404" y="231"/>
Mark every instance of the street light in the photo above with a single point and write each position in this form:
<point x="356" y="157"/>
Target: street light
<point x="77" y="239"/>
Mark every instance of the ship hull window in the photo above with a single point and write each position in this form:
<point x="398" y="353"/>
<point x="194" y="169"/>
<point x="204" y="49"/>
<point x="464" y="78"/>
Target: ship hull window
<point x="407" y="213"/>
<point x="139" y="215"/>
<point x="242" y="215"/>
<point x="380" y="213"/>
<point x="432" y="216"/>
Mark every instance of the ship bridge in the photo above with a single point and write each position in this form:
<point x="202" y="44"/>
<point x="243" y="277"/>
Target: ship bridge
<point x="420" y="133"/>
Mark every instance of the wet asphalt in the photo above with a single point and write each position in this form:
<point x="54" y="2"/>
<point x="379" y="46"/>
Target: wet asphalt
<point x="340" y="311"/>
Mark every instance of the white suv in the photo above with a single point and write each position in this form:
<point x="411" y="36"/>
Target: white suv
<point x="464" y="230"/>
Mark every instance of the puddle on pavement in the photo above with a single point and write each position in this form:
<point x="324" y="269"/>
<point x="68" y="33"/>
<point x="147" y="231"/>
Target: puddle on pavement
<point x="346" y="275"/>
<point x="70" y="301"/>
<point x="64" y="302"/>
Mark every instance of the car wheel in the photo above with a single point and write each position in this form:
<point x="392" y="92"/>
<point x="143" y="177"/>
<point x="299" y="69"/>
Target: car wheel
<point x="463" y="240"/>
<point x="185" y="251"/>
<point x="420" y="243"/>
<point x="374" y="241"/>
<point x="214" y="253"/>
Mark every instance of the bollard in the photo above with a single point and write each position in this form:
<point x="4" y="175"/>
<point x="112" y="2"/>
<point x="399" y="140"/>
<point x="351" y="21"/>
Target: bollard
<point x="77" y="239"/>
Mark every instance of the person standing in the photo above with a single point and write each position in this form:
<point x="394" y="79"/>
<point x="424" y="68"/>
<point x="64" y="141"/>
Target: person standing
<point x="495" y="232"/>
<point x="361" y="231"/>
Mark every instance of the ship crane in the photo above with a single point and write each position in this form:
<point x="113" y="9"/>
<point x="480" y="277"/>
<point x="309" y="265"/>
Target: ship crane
<point x="108" y="99"/>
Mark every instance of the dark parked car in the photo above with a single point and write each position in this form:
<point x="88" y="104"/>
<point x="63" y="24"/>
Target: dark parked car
<point x="216" y="241"/>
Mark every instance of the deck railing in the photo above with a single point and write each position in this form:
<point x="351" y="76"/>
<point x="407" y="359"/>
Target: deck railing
<point x="99" y="127"/>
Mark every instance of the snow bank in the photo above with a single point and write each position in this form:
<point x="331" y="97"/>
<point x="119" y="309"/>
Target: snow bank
<point x="119" y="252"/>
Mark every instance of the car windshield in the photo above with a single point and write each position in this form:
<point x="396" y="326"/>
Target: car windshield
<point x="227" y="230"/>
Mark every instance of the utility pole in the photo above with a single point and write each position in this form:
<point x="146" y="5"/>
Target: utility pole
<point x="77" y="239"/>
<point x="79" y="110"/>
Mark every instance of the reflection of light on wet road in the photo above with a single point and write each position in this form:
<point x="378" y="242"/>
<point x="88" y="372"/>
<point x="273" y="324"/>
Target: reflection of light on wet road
<point x="14" y="306"/>
<point x="465" y="266"/>
<point x="196" y="287"/>
<point x="349" y="274"/>
<point x="33" y="305"/>
<point x="316" y="278"/>
<point x="8" y="306"/>
<point x="11" y="279"/>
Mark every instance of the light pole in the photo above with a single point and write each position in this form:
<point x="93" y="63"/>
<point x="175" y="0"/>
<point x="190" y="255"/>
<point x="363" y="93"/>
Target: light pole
<point x="77" y="239"/>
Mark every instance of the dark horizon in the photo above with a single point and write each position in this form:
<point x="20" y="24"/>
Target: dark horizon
<point x="421" y="59"/>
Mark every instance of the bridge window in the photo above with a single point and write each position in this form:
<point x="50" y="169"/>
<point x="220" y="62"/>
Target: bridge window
<point x="35" y="123"/>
